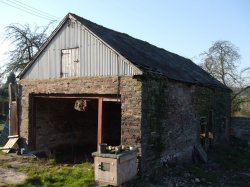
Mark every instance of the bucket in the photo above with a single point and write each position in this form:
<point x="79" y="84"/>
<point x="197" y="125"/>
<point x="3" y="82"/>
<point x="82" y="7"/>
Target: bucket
<point x="102" y="148"/>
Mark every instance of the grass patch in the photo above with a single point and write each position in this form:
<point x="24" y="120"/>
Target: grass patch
<point x="58" y="175"/>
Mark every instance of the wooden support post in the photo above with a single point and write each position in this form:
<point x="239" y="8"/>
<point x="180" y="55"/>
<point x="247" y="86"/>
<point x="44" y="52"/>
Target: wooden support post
<point x="100" y="107"/>
<point x="10" y="102"/>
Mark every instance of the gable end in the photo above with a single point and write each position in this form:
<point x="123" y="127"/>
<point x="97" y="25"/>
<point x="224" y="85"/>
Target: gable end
<point x="95" y="58"/>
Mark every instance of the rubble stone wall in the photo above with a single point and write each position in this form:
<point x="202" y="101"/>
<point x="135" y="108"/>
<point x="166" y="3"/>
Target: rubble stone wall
<point x="127" y="88"/>
<point x="159" y="116"/>
<point x="171" y="113"/>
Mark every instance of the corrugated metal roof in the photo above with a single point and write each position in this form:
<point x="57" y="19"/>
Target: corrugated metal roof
<point x="148" y="57"/>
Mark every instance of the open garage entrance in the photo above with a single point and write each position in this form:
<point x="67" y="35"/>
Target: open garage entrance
<point x="69" y="128"/>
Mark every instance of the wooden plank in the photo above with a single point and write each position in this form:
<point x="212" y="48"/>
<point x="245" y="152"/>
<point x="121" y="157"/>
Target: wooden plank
<point x="9" y="145"/>
<point x="14" y="136"/>
<point x="100" y="108"/>
<point x="200" y="151"/>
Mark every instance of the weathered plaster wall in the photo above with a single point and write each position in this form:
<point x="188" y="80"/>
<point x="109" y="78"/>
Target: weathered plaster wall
<point x="128" y="88"/>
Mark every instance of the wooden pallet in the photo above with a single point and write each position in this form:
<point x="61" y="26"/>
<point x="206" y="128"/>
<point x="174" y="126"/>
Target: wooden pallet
<point x="12" y="143"/>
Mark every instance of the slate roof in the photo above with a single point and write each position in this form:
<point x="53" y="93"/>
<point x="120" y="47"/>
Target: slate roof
<point x="148" y="57"/>
<point x="145" y="56"/>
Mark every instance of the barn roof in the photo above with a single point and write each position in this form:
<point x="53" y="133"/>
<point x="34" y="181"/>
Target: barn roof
<point x="150" y="58"/>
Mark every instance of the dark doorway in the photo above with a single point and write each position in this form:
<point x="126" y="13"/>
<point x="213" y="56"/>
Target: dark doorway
<point x="112" y="123"/>
<point x="68" y="134"/>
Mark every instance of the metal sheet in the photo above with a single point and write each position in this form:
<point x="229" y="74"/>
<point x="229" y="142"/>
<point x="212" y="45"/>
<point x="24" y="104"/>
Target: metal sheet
<point x="96" y="58"/>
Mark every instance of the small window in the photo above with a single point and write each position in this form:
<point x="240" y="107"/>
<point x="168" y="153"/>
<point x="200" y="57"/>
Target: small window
<point x="70" y="63"/>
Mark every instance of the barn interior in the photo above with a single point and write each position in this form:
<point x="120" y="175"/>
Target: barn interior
<point x="66" y="128"/>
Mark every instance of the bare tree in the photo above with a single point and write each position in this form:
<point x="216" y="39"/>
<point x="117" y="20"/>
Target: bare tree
<point x="221" y="61"/>
<point x="26" y="42"/>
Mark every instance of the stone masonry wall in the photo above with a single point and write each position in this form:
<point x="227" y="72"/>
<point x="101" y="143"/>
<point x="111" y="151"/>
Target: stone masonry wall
<point x="222" y="116"/>
<point x="154" y="119"/>
<point x="128" y="88"/>
<point x="171" y="113"/>
<point x="218" y="103"/>
<point x="159" y="116"/>
<point x="169" y="122"/>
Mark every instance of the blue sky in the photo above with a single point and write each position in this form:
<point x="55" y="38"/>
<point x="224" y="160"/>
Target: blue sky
<point x="185" y="27"/>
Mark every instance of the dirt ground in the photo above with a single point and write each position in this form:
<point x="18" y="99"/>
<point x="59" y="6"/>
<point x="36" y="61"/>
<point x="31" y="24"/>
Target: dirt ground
<point x="10" y="176"/>
<point x="9" y="163"/>
<point x="206" y="175"/>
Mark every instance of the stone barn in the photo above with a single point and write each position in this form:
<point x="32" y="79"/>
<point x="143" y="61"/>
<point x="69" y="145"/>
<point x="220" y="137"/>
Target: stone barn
<point x="89" y="85"/>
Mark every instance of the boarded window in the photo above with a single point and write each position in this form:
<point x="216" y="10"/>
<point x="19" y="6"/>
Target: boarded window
<point x="70" y="63"/>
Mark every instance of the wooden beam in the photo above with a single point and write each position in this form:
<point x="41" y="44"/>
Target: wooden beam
<point x="112" y="99"/>
<point x="100" y="108"/>
<point x="65" y="97"/>
<point x="77" y="96"/>
<point x="13" y="119"/>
